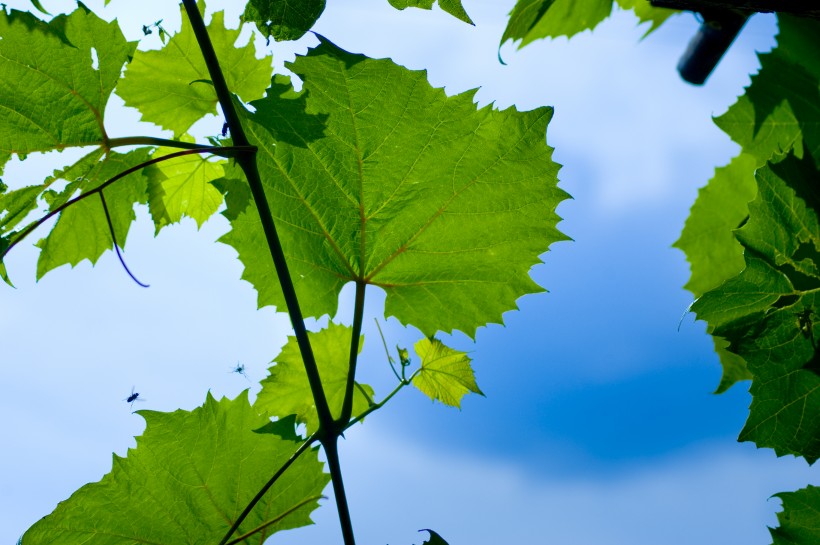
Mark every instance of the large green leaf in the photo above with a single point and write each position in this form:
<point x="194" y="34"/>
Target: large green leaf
<point x="287" y="391"/>
<point x="374" y="176"/>
<point x="800" y="518"/>
<point x="82" y="230"/>
<point x="781" y="107"/>
<point x="182" y="187"/>
<point x="453" y="7"/>
<point x="532" y="20"/>
<point x="56" y="78"/>
<point x="769" y="312"/>
<point x="187" y="481"/>
<point x="283" y="19"/>
<point x="446" y="374"/>
<point x="171" y="87"/>
<point x="709" y="243"/>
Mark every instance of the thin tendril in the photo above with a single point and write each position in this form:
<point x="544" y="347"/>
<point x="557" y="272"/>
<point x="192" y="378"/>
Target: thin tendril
<point x="117" y="246"/>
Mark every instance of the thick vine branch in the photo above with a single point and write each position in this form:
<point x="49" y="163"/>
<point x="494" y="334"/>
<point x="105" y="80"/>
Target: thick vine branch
<point x="796" y="7"/>
<point x="247" y="162"/>
<point x="28" y="230"/>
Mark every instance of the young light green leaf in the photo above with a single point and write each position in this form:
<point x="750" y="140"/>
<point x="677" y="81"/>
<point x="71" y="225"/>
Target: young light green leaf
<point x="169" y="88"/>
<point x="287" y="391"/>
<point x="781" y="107"/>
<point x="82" y="231"/>
<point x="52" y="94"/>
<point x="182" y="187"/>
<point x="445" y="374"/>
<point x="374" y="176"/>
<point x="800" y="518"/>
<point x="453" y="7"/>
<point x="283" y="20"/>
<point x="770" y="312"/>
<point x="532" y="20"/>
<point x="187" y="481"/>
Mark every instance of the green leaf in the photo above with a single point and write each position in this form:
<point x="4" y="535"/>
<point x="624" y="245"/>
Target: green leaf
<point x="453" y="7"/>
<point x="283" y="20"/>
<point x="287" y="391"/>
<point x="713" y="252"/>
<point x="82" y="231"/>
<point x="435" y="539"/>
<point x="800" y="518"/>
<point x="445" y="374"/>
<point x="168" y="86"/>
<point x="52" y="95"/>
<point x="182" y="187"/>
<point x="532" y="20"/>
<point x="769" y="313"/>
<point x="781" y="107"/>
<point x="187" y="481"/>
<point x="374" y="176"/>
<point x="647" y="13"/>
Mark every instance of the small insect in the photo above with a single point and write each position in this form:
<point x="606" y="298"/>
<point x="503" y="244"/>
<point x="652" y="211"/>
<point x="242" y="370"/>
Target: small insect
<point x="239" y="369"/>
<point x="146" y="30"/>
<point x="225" y="129"/>
<point x="134" y="396"/>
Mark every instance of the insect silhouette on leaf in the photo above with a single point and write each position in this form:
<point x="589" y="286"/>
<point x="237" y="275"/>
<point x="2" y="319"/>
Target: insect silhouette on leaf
<point x="239" y="369"/>
<point x="132" y="397"/>
<point x="224" y="129"/>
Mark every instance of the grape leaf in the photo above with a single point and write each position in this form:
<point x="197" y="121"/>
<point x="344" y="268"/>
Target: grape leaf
<point x="283" y="19"/>
<point x="373" y="176"/>
<point x="170" y="87"/>
<point x="287" y="391"/>
<point x="647" y="13"/>
<point x="532" y="20"/>
<point x="453" y="7"/>
<point x="445" y="374"/>
<point x="182" y="187"/>
<point x="712" y="250"/>
<point x="435" y="539"/>
<point x="769" y="312"/>
<point x="800" y="518"/>
<point x="82" y="231"/>
<point x="781" y="107"/>
<point x="189" y="478"/>
<point x="49" y="67"/>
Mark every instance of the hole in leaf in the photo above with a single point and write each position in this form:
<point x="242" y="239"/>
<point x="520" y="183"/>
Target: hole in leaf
<point x="785" y="301"/>
<point x="95" y="61"/>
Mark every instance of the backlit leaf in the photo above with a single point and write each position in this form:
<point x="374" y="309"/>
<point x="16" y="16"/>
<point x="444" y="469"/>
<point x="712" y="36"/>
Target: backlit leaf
<point x="453" y="7"/>
<point x="770" y="312"/>
<point x="283" y="19"/>
<point x="49" y="67"/>
<point x="647" y="13"/>
<point x="446" y="374"/>
<point x="187" y="481"/>
<point x="182" y="187"/>
<point x="82" y="231"/>
<point x="532" y="20"/>
<point x="170" y="87"/>
<point x="374" y="176"/>
<point x="800" y="518"/>
<point x="287" y="391"/>
<point x="781" y="107"/>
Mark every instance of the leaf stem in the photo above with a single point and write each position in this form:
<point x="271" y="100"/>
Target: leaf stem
<point x="229" y="151"/>
<point x="358" y="313"/>
<point x="293" y="457"/>
<point x="27" y="231"/>
<point x="247" y="162"/>
<point x="114" y="240"/>
<point x="275" y="520"/>
<point x="376" y="406"/>
<point x="387" y="351"/>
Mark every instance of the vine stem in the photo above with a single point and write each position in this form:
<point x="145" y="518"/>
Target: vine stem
<point x="328" y="430"/>
<point x="358" y="314"/>
<point x="27" y="231"/>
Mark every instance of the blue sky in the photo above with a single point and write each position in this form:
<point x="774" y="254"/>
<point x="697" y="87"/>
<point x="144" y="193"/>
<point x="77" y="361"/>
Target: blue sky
<point x="598" y="426"/>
